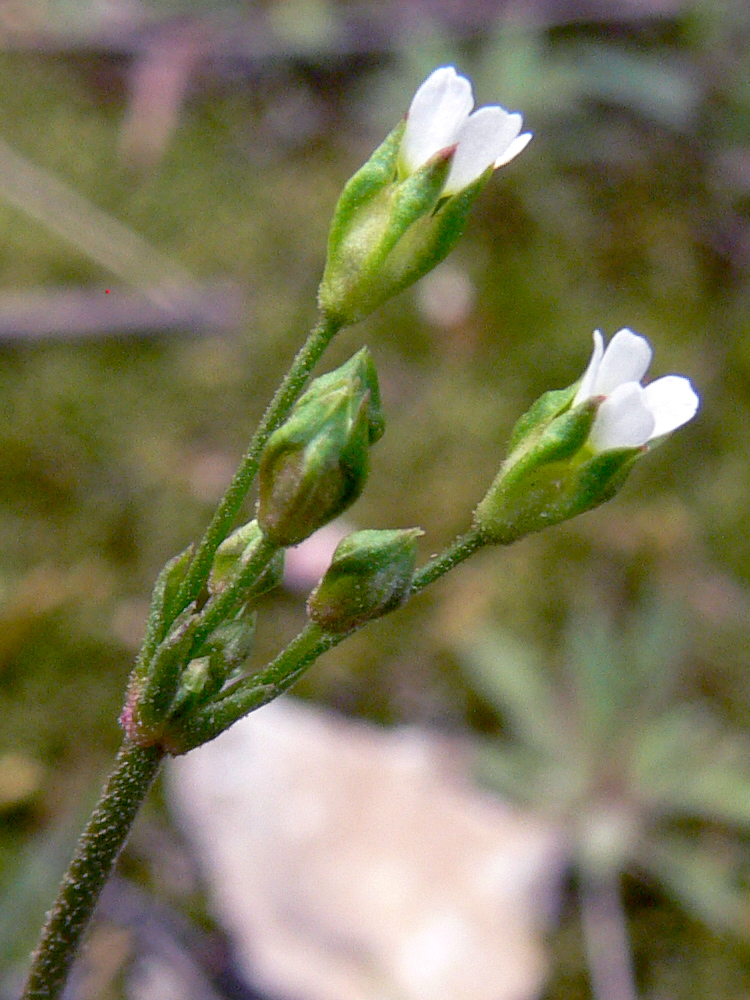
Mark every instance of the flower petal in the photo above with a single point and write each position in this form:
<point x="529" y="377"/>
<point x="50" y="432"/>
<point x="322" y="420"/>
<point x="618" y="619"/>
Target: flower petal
<point x="439" y="108"/>
<point x="517" y="146"/>
<point x="626" y="359"/>
<point x="672" y="401"/>
<point x="482" y="139"/>
<point x="586" y="388"/>
<point x="623" y="420"/>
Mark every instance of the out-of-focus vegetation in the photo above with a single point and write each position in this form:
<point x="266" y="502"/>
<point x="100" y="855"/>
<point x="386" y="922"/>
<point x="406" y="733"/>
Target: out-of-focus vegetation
<point x="222" y="135"/>
<point x="635" y="777"/>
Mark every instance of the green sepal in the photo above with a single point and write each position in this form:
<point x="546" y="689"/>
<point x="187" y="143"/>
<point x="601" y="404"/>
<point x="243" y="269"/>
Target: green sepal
<point x="549" y="405"/>
<point x="366" y="263"/>
<point x="602" y="476"/>
<point x="559" y="440"/>
<point x="151" y="694"/>
<point x="374" y="175"/>
<point x="357" y="375"/>
<point x="412" y="200"/>
<point x="430" y="239"/>
<point x="162" y="597"/>
<point x="370" y="575"/>
<point x="550" y="474"/>
<point x="316" y="464"/>
<point x="234" y="554"/>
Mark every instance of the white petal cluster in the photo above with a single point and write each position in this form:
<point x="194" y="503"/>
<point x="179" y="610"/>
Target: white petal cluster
<point x="631" y="414"/>
<point x="440" y="115"/>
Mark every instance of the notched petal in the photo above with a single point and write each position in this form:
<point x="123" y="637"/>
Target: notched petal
<point x="626" y="359"/>
<point x="514" y="148"/>
<point x="623" y="420"/>
<point x="673" y="401"/>
<point x="483" y="137"/>
<point x="437" y="111"/>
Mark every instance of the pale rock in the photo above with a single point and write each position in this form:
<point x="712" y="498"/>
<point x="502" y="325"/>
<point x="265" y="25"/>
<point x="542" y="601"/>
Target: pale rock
<point x="351" y="862"/>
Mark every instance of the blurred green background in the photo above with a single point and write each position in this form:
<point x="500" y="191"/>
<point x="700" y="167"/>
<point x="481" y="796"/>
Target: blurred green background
<point x="221" y="136"/>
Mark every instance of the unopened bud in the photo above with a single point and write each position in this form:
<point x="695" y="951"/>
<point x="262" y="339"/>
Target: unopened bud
<point x="316" y="464"/>
<point x="220" y="659"/>
<point x="234" y="553"/>
<point x="370" y="575"/>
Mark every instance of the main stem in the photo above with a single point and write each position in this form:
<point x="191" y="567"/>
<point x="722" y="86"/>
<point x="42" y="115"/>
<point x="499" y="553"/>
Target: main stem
<point x="606" y="937"/>
<point x="135" y="769"/>
<point x="98" y="848"/>
<point x="276" y="412"/>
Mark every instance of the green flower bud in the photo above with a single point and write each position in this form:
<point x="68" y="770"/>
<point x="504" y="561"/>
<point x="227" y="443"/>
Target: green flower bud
<point x="549" y="493"/>
<point x="198" y="681"/>
<point x="370" y="575"/>
<point x="233" y="555"/>
<point x="221" y="658"/>
<point x="315" y="465"/>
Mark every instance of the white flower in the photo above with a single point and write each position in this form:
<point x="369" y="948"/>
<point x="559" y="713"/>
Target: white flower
<point x="631" y="415"/>
<point x="440" y="115"/>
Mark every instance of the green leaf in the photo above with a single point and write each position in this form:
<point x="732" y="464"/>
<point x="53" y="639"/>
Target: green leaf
<point x="704" y="875"/>
<point x="510" y="677"/>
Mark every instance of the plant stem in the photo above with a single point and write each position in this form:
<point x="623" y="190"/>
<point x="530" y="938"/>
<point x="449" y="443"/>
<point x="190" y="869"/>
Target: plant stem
<point x="459" y="549"/>
<point x="256" y="691"/>
<point x="606" y="937"/>
<point x="276" y="412"/>
<point x="222" y="607"/>
<point x="279" y="675"/>
<point x="136" y="767"/>
<point x="100" y="844"/>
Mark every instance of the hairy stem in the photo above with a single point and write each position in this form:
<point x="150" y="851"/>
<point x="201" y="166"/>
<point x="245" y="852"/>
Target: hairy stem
<point x="98" y="848"/>
<point x="276" y="412"/>
<point x="459" y="549"/>
<point x="222" y="607"/>
<point x="136" y="767"/>
<point x="279" y="675"/>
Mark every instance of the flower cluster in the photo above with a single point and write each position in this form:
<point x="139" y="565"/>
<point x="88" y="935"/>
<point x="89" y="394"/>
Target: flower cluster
<point x="396" y="218"/>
